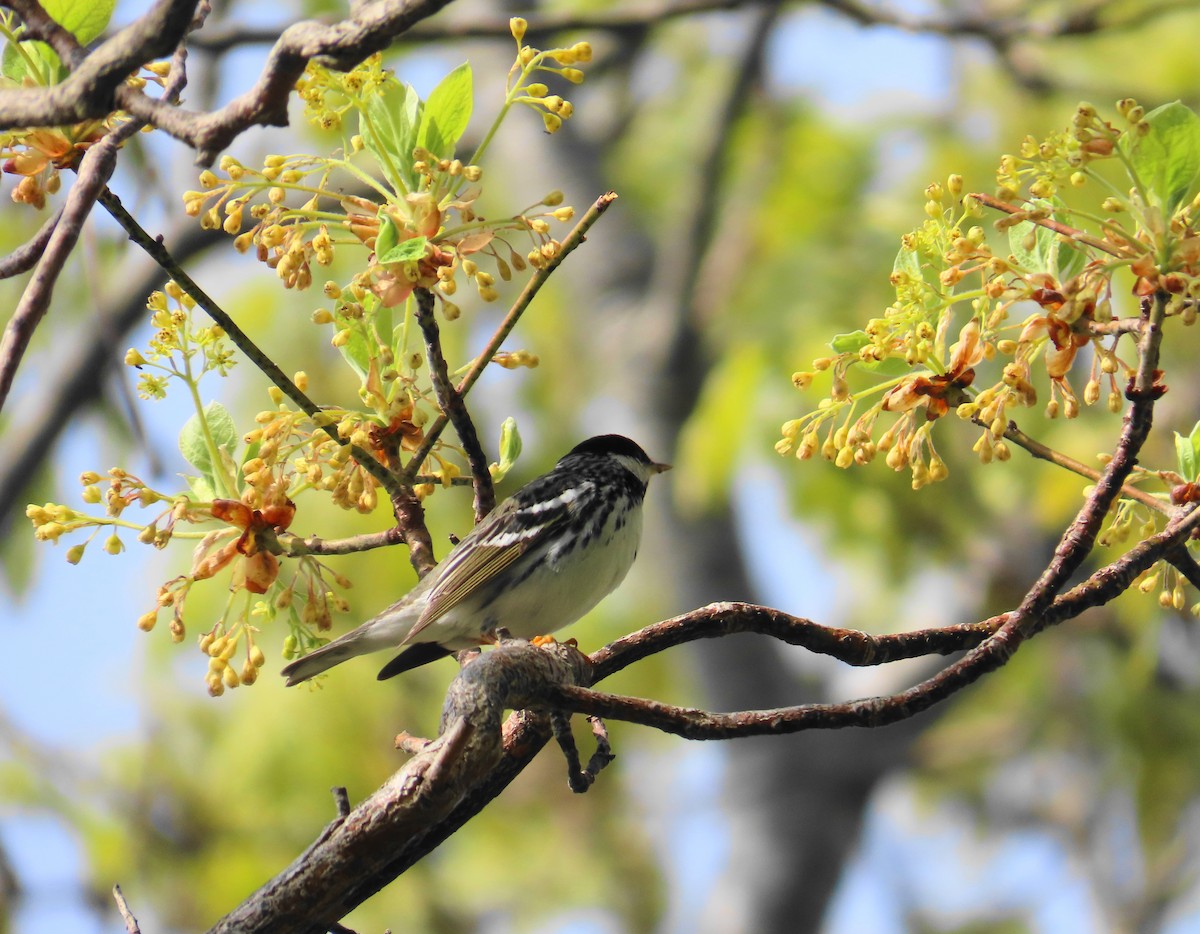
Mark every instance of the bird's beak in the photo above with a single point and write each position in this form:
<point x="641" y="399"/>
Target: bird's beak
<point x="660" y="468"/>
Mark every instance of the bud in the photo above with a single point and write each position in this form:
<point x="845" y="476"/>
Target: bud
<point x="517" y="26"/>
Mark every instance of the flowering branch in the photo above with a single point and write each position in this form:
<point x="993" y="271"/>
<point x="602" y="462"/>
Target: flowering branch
<point x="409" y="514"/>
<point x="536" y="281"/>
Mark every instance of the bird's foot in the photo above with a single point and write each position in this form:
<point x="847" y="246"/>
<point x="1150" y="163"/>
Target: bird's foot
<point x="466" y="656"/>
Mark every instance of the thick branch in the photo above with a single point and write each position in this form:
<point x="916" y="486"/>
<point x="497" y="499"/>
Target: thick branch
<point x="96" y="79"/>
<point x="450" y="781"/>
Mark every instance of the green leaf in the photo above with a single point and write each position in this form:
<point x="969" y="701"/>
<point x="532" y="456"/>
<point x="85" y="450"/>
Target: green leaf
<point x="1187" y="454"/>
<point x="388" y="126"/>
<point x="850" y="342"/>
<point x="909" y="262"/>
<point x="194" y="446"/>
<point x="1167" y="159"/>
<point x="405" y="250"/>
<point x="355" y="351"/>
<point x="447" y="113"/>
<point x="381" y="324"/>
<point x="202" y="489"/>
<point x="854" y="341"/>
<point x="387" y="237"/>
<point x="49" y="67"/>
<point x="1049" y="252"/>
<point x="84" y="19"/>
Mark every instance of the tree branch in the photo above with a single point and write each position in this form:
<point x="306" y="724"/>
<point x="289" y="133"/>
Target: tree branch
<point x="440" y="788"/>
<point x="94" y="172"/>
<point x="95" y="87"/>
<point x="26" y="256"/>
<point x="450" y="401"/>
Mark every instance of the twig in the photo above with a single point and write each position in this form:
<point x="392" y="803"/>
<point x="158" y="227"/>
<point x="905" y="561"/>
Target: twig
<point x="536" y="281"/>
<point x="295" y="546"/>
<point x="1043" y="452"/>
<point x="95" y="169"/>
<point x="847" y="645"/>
<point x="451" y="403"/>
<point x="1071" y="233"/>
<point x="625" y="21"/>
<point x="342" y="45"/>
<point x="26" y="256"/>
<point x="131" y="924"/>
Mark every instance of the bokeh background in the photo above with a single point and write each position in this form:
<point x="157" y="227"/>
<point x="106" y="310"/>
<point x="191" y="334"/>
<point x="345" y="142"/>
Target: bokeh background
<point x="768" y="157"/>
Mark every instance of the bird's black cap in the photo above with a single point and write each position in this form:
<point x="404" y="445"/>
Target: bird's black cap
<point x="611" y="444"/>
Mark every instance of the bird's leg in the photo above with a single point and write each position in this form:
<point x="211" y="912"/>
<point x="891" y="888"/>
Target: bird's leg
<point x="466" y="656"/>
<point x="580" y="779"/>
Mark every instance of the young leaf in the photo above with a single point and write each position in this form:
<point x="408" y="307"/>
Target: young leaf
<point x="202" y="489"/>
<point x="194" y="446"/>
<point x="356" y="353"/>
<point x="850" y="342"/>
<point x="388" y="126"/>
<point x="1167" y="159"/>
<point x="1187" y="454"/>
<point x="510" y="444"/>
<point x="447" y="113"/>
<point x="47" y="68"/>
<point x="405" y="250"/>
<point x="386" y="239"/>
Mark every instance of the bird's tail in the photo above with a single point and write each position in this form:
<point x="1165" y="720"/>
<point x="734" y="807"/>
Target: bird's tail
<point x="360" y="641"/>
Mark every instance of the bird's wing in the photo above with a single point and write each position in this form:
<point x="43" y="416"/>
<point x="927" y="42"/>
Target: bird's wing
<point x="492" y="546"/>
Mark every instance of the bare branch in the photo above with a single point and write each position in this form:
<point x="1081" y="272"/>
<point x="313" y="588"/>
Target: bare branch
<point x="451" y="403"/>
<point x="372" y="28"/>
<point x="94" y="171"/>
<point x="1043" y="452"/>
<point x="26" y="256"/>
<point x="131" y="924"/>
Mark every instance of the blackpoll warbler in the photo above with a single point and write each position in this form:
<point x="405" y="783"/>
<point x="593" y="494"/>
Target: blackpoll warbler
<point x="540" y="560"/>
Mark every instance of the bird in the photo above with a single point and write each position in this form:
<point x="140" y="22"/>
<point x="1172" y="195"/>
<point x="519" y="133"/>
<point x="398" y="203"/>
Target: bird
<point x="539" y="561"/>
